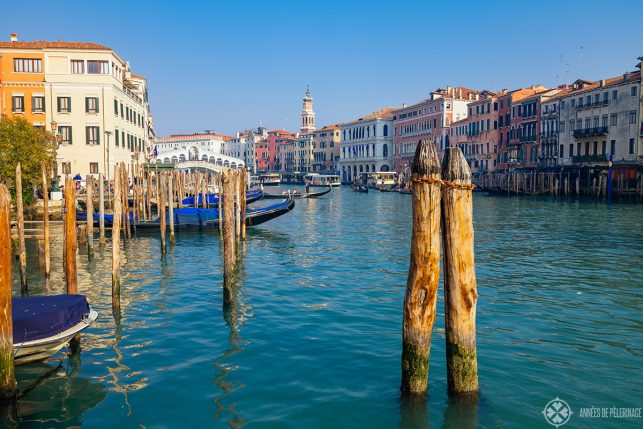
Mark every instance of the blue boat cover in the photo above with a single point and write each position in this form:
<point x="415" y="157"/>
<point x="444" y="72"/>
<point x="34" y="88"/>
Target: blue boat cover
<point x="44" y="316"/>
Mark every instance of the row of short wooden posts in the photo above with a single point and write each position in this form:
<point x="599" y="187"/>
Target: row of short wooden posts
<point x="587" y="181"/>
<point x="442" y="205"/>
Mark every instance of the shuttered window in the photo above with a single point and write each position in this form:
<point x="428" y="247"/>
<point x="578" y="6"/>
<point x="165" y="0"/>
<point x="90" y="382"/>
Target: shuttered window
<point x="64" y="104"/>
<point x="92" y="135"/>
<point x="91" y="104"/>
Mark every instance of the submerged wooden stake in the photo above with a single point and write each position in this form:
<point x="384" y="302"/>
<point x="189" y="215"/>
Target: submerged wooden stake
<point x="71" y="245"/>
<point x="424" y="270"/>
<point x="22" y="251"/>
<point x="7" y="374"/>
<point x="116" y="247"/>
<point x="45" y="220"/>
<point x="460" y="292"/>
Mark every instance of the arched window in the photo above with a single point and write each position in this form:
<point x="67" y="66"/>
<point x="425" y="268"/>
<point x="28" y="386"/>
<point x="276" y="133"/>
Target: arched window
<point x="385" y="151"/>
<point x="385" y="130"/>
<point x="361" y="168"/>
<point x="367" y="168"/>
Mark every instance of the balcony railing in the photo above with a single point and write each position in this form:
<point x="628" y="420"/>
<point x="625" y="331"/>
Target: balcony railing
<point x="589" y="158"/>
<point x="590" y="132"/>
<point x="549" y="134"/>
<point x="531" y="138"/>
<point x="594" y="104"/>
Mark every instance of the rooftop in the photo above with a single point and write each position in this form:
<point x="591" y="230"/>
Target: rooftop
<point x="44" y="44"/>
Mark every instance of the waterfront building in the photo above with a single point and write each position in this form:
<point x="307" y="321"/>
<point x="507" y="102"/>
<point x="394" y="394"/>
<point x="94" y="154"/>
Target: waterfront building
<point x="243" y="146"/>
<point x="523" y="147"/>
<point x="477" y="135"/>
<point x="428" y="119"/>
<point x="507" y="128"/>
<point x="550" y="127"/>
<point x="287" y="154"/>
<point x="86" y="94"/>
<point x="207" y="146"/>
<point x="267" y="151"/>
<point x="603" y="119"/>
<point x="366" y="144"/>
<point x="317" y="151"/>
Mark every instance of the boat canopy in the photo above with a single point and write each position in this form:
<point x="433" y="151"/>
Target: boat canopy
<point x="39" y="317"/>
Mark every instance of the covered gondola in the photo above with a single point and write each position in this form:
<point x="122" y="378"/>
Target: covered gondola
<point x="252" y="195"/>
<point x="298" y="194"/>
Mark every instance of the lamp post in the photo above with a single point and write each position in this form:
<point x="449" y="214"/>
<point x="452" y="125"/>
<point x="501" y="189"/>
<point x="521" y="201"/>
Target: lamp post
<point x="54" y="127"/>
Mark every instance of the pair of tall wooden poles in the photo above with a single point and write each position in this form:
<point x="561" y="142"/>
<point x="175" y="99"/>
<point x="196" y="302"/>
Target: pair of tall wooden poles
<point x="442" y="199"/>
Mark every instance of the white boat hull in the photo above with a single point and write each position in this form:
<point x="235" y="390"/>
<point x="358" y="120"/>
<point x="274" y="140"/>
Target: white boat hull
<point x="37" y="350"/>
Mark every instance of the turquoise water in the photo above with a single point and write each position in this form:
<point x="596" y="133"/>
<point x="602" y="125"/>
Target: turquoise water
<point x="314" y="337"/>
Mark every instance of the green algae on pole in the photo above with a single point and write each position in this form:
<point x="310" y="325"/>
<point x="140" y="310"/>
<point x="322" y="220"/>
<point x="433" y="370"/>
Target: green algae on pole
<point x="229" y="238"/>
<point x="71" y="245"/>
<point x="170" y="194"/>
<point x="460" y="291"/>
<point x="424" y="270"/>
<point x="7" y="374"/>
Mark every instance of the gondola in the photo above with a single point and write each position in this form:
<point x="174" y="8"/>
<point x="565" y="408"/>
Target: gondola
<point x="359" y="188"/>
<point x="109" y="218"/>
<point x="198" y="218"/>
<point x="297" y="194"/>
<point x="43" y="325"/>
<point x="252" y="195"/>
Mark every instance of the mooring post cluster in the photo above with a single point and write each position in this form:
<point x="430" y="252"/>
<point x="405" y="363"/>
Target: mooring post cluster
<point x="441" y="201"/>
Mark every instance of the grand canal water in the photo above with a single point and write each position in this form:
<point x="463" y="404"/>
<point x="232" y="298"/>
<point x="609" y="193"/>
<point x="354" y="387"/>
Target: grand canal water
<point x="314" y="339"/>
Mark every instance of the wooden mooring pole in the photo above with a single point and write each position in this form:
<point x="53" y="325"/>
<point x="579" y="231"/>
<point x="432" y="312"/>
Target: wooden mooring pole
<point x="170" y="195"/>
<point x="229" y="261"/>
<point x="161" y="207"/>
<point x="71" y="245"/>
<point x="116" y="247"/>
<point x="460" y="292"/>
<point x="424" y="270"/>
<point x="22" y="251"/>
<point x="101" y="210"/>
<point x="7" y="373"/>
<point x="45" y="220"/>
<point x="244" y="178"/>
<point x="90" y="218"/>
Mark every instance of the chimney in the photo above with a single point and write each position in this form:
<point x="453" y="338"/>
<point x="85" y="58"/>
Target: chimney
<point x="404" y="105"/>
<point x="448" y="89"/>
<point x="460" y="93"/>
<point x="504" y="91"/>
<point x="14" y="37"/>
<point x="625" y="77"/>
<point x="602" y="82"/>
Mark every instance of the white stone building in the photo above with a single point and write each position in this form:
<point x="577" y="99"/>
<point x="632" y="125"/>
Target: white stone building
<point x="366" y="144"/>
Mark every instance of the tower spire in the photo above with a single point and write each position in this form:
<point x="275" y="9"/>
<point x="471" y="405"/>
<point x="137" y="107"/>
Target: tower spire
<point x="307" y="113"/>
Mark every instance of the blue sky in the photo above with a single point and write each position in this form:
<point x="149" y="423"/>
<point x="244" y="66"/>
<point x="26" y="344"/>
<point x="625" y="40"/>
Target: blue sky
<point x="234" y="65"/>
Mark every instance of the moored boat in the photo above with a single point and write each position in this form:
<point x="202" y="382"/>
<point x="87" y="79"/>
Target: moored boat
<point x="316" y="179"/>
<point x="252" y="195"/>
<point x="297" y="194"/>
<point x="45" y="324"/>
<point x="198" y="218"/>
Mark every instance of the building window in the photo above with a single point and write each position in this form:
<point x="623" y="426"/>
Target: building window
<point x="93" y="168"/>
<point x="121" y="110"/>
<point x="38" y="104"/>
<point x="613" y="119"/>
<point x="27" y="65"/>
<point x="561" y="126"/>
<point x="562" y="104"/>
<point x="615" y="94"/>
<point x="116" y="138"/>
<point x="97" y="67"/>
<point x="64" y="104"/>
<point x="77" y="66"/>
<point x="633" y="117"/>
<point x="571" y="150"/>
<point x="18" y="104"/>
<point x="604" y="147"/>
<point x="631" y="152"/>
<point x="613" y="147"/>
<point x="385" y="131"/>
<point x="116" y="107"/>
<point x="91" y="104"/>
<point x="633" y="91"/>
<point x="92" y="135"/>
<point x="65" y="134"/>
<point x="604" y="121"/>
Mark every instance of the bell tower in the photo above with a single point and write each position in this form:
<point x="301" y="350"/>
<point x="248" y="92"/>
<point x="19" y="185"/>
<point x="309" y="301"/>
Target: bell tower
<point x="307" y="114"/>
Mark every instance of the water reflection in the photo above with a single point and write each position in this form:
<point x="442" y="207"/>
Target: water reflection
<point x="52" y="396"/>
<point x="414" y="412"/>
<point x="235" y="313"/>
<point x="462" y="412"/>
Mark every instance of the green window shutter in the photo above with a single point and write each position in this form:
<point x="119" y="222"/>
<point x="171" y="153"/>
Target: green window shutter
<point x="86" y="135"/>
<point x="98" y="135"/>
<point x="70" y="135"/>
<point x="86" y="105"/>
<point x="69" y="104"/>
<point x="97" y="104"/>
<point x="58" y="103"/>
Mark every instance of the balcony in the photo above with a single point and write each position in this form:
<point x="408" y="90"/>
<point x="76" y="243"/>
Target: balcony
<point x="594" y="104"/>
<point x="549" y="134"/>
<point x="590" y="132"/>
<point x="589" y="158"/>
<point x="524" y="139"/>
